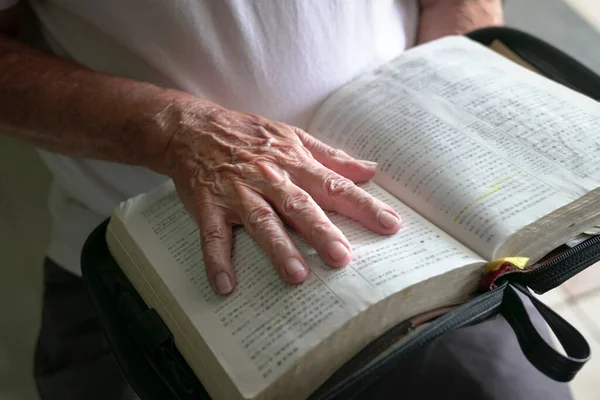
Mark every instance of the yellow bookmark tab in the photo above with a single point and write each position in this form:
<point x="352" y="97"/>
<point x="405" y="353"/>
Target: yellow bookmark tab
<point x="519" y="262"/>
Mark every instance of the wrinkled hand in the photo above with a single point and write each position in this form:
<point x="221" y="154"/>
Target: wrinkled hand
<point x="233" y="168"/>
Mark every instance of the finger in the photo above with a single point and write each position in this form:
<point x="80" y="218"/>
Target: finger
<point x="299" y="210"/>
<point x="337" y="193"/>
<point x="358" y="171"/>
<point x="216" y="238"/>
<point x="265" y="227"/>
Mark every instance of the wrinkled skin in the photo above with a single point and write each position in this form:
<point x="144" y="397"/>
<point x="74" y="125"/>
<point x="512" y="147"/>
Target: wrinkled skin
<point x="233" y="168"/>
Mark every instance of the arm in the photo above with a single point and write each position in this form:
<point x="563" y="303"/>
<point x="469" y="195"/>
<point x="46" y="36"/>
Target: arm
<point x="456" y="17"/>
<point x="62" y="107"/>
<point x="228" y="167"/>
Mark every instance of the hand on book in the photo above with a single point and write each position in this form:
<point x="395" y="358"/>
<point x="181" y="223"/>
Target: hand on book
<point x="234" y="168"/>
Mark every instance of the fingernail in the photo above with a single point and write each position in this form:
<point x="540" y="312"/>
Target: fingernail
<point x="367" y="163"/>
<point x="337" y="251"/>
<point x="294" y="268"/>
<point x="387" y="219"/>
<point x="223" y="283"/>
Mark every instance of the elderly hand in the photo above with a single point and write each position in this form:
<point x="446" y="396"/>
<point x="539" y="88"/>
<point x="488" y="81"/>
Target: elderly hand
<point x="234" y="168"/>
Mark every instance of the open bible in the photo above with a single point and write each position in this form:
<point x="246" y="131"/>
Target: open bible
<point x="482" y="157"/>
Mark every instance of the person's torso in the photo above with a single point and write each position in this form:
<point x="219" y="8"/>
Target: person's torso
<point x="279" y="59"/>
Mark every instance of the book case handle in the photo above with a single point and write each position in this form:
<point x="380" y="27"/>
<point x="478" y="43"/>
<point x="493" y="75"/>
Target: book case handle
<point x="542" y="355"/>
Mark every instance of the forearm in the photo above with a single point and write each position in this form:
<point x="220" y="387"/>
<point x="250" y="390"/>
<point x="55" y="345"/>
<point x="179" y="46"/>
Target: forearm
<point x="60" y="106"/>
<point x="439" y="18"/>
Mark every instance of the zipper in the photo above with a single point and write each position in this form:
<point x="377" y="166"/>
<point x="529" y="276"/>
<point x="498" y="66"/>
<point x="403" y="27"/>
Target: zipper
<point x="474" y="310"/>
<point x="558" y="269"/>
<point x="547" y="275"/>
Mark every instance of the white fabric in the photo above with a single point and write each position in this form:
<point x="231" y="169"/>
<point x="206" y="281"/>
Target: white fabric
<point x="279" y="59"/>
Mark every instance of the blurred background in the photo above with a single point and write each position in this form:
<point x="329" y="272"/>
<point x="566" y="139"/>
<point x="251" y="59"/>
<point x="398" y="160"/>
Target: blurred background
<point x="571" y="25"/>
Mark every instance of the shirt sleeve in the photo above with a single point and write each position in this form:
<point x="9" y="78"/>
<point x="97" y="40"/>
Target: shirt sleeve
<point x="6" y="4"/>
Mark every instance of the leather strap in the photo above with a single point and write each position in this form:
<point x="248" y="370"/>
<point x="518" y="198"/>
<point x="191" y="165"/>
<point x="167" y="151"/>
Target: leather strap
<point x="541" y="354"/>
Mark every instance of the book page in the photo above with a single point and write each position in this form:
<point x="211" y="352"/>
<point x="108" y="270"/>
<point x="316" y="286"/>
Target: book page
<point x="266" y="325"/>
<point x="472" y="141"/>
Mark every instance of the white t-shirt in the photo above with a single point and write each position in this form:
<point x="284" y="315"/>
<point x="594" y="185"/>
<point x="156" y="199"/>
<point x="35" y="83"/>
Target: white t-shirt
<point x="279" y="59"/>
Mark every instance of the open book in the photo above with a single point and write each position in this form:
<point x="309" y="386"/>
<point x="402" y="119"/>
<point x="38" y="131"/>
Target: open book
<point x="482" y="158"/>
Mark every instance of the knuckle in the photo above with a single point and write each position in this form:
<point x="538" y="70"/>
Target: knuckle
<point x="278" y="245"/>
<point x="213" y="235"/>
<point x="320" y="229"/>
<point x="362" y="201"/>
<point x="259" y="218"/>
<point x="299" y="154"/>
<point x="299" y="132"/>
<point x="336" y="185"/>
<point x="297" y="203"/>
<point x="333" y="153"/>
